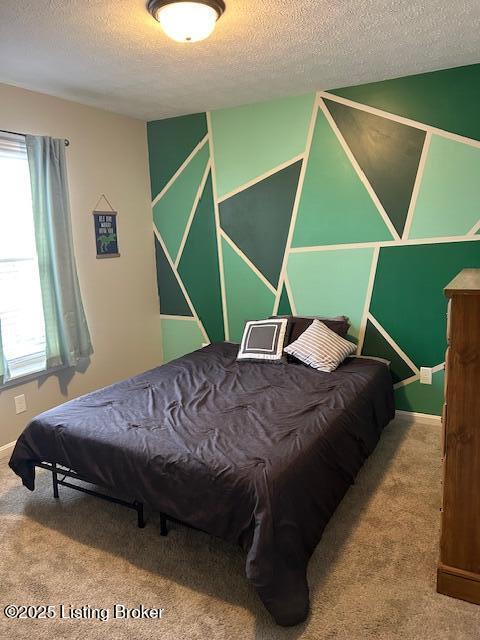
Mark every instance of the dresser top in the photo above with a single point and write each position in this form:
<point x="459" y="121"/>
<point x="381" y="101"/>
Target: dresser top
<point x="465" y="283"/>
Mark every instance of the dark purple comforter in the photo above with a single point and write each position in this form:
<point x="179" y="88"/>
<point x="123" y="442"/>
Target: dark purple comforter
<point x="257" y="454"/>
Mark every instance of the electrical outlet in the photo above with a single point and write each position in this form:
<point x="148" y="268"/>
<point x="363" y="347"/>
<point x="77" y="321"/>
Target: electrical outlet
<point x="425" y="375"/>
<point x="20" y="403"/>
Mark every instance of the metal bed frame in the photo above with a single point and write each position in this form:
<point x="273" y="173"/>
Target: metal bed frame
<point x="137" y="506"/>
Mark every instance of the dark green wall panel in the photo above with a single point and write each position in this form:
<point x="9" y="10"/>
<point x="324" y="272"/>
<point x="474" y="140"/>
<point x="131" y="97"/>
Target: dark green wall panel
<point x="335" y="206"/>
<point x="170" y="142"/>
<point x="422" y="398"/>
<point x="408" y="298"/>
<point x="172" y="300"/>
<point x="388" y="153"/>
<point x="374" y="344"/>
<point x="447" y="99"/>
<point x="199" y="267"/>
<point x="284" y="306"/>
<point x="258" y="218"/>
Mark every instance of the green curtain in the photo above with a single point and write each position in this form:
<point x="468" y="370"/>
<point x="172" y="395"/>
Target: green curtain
<point x="67" y="334"/>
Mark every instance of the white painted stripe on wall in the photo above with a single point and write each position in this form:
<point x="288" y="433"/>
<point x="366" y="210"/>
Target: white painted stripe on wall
<point x="368" y="298"/>
<point x="290" y="296"/>
<point x="245" y="258"/>
<point x="474" y="229"/>
<point x="402" y="120"/>
<point x="261" y="177"/>
<point x="180" y="284"/>
<point x="192" y="213"/>
<point x="438" y="367"/>
<point x="384" y="243"/>
<point x="217" y="226"/>
<point x="407" y="381"/>
<point x="6" y="450"/>
<point x="166" y="316"/>
<point x="296" y="204"/>
<point x="179" y="171"/>
<point x="392" y="343"/>
<point x="416" y="186"/>
<point x="359" y="171"/>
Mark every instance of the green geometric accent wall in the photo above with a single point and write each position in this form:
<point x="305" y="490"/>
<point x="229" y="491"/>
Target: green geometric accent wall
<point x="199" y="268"/>
<point x="170" y="142"/>
<point x="250" y="140"/>
<point x="335" y="207"/>
<point x="171" y="212"/>
<point x="422" y="398"/>
<point x="172" y="300"/>
<point x="308" y="236"/>
<point x="448" y="203"/>
<point x="388" y="153"/>
<point x="258" y="219"/>
<point x="375" y="344"/>
<point x="179" y="337"/>
<point x="446" y="99"/>
<point x="247" y="297"/>
<point x="284" y="306"/>
<point x="408" y="298"/>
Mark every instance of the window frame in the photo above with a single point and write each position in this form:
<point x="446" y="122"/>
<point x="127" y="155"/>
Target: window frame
<point x="37" y="356"/>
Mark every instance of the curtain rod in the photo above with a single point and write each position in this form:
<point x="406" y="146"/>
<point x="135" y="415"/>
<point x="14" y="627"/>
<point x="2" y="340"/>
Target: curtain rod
<point x="16" y="133"/>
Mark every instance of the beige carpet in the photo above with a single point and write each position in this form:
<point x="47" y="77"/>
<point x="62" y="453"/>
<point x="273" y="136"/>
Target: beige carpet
<point x="372" y="576"/>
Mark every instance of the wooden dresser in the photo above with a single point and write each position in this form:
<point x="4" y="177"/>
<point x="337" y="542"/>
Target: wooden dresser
<point x="458" y="573"/>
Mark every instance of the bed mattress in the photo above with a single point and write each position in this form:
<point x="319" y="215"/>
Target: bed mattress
<point x="257" y="454"/>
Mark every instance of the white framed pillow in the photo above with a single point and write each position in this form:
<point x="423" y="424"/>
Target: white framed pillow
<point x="263" y="340"/>
<point x="320" y="347"/>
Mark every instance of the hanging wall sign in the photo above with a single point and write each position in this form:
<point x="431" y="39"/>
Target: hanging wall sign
<point x="106" y="237"/>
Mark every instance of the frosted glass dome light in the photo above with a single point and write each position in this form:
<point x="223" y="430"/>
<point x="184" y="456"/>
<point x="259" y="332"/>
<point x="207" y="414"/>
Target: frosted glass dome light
<point x="187" y="21"/>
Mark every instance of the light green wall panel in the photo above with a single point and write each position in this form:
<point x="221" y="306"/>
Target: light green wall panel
<point x="448" y="202"/>
<point x="422" y="398"/>
<point x="335" y="207"/>
<point x="331" y="283"/>
<point x="171" y="212"/>
<point x="247" y="297"/>
<point x="180" y="337"/>
<point x="255" y="138"/>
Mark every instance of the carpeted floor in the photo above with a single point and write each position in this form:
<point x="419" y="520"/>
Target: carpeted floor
<point x="372" y="575"/>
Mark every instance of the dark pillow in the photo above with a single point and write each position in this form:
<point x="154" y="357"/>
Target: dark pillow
<point x="298" y="324"/>
<point x="264" y="340"/>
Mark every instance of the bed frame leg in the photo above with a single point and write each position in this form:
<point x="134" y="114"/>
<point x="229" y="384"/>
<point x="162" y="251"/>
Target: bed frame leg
<point x="163" y="525"/>
<point x="55" y="480"/>
<point x="140" y="518"/>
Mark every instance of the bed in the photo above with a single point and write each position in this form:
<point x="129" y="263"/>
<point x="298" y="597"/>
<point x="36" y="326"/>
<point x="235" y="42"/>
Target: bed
<point x="257" y="454"/>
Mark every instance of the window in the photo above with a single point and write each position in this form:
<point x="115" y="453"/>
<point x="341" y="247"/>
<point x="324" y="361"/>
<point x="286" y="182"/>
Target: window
<point x="21" y="309"/>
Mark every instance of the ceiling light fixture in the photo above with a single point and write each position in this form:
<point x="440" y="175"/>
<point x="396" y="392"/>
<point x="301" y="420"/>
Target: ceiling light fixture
<point x="187" y="20"/>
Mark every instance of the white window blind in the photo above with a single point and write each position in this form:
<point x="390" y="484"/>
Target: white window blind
<point x="21" y="312"/>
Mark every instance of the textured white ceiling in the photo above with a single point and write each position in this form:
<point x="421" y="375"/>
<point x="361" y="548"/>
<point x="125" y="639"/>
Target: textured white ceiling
<point x="112" y="54"/>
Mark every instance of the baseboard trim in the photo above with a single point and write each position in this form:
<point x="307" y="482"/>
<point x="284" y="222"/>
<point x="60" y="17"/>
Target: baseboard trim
<point x="458" y="583"/>
<point x="6" y="450"/>
<point x="418" y="417"/>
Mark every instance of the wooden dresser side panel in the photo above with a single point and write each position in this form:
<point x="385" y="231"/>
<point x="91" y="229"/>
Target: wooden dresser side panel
<point x="460" y="539"/>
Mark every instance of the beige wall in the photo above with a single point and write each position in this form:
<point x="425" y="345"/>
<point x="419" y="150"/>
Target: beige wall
<point x="107" y="154"/>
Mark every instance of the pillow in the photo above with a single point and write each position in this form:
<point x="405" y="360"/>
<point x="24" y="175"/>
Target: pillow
<point x="339" y="325"/>
<point x="263" y="340"/>
<point x="320" y="347"/>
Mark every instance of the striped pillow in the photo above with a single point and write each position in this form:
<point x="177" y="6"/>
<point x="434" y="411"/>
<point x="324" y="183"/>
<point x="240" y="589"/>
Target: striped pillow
<point x="320" y="347"/>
